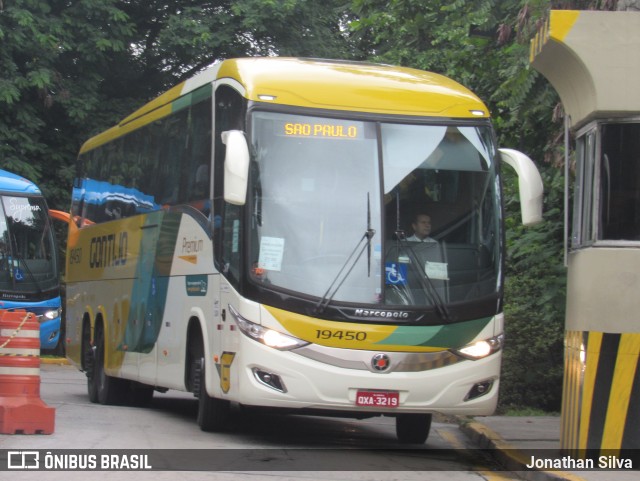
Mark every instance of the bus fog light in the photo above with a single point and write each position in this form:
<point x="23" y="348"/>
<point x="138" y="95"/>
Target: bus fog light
<point x="481" y="349"/>
<point x="269" y="379"/>
<point x="479" y="389"/>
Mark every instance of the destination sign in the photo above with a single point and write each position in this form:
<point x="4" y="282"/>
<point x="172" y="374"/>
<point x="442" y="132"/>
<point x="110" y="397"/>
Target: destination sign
<point x="321" y="130"/>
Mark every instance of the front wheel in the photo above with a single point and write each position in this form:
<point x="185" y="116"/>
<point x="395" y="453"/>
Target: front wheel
<point x="413" y="428"/>
<point x="213" y="413"/>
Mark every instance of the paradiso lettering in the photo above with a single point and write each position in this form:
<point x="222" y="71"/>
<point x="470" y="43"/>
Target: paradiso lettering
<point x="321" y="130"/>
<point x="108" y="250"/>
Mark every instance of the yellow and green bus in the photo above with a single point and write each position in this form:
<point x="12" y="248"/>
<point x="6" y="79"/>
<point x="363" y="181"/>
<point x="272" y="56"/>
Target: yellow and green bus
<point x="248" y="236"/>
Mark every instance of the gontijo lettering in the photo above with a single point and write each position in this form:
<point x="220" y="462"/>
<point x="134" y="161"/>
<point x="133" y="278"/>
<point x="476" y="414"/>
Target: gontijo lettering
<point x="298" y="129"/>
<point x="108" y="250"/>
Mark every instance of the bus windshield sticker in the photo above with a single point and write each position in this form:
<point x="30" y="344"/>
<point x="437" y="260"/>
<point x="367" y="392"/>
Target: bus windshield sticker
<point x="235" y="239"/>
<point x="21" y="210"/>
<point x="396" y="274"/>
<point x="271" y="252"/>
<point x="197" y="285"/>
<point x="437" y="270"/>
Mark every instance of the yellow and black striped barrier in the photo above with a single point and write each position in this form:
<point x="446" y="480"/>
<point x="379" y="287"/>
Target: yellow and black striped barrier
<point x="601" y="393"/>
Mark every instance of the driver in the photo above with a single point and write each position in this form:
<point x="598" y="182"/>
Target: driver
<point x="421" y="226"/>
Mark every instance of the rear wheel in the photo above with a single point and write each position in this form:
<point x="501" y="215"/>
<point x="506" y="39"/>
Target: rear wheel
<point x="413" y="428"/>
<point x="102" y="387"/>
<point x="89" y="364"/>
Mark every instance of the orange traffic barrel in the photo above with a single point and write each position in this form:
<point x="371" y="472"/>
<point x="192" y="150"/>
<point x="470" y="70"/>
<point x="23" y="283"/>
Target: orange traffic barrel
<point x="21" y="409"/>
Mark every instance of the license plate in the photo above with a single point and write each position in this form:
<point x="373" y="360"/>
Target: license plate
<point x="378" y="399"/>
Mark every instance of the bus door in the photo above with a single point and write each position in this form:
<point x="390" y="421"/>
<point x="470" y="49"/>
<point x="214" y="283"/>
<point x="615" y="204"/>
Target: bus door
<point x="229" y="299"/>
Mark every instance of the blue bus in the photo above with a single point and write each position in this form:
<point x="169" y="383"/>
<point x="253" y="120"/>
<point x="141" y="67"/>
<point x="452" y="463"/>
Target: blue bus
<point x="29" y="273"/>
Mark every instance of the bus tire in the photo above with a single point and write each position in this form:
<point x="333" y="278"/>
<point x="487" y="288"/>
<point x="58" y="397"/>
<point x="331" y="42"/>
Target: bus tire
<point x="108" y="390"/>
<point x="213" y="413"/>
<point x="139" y="395"/>
<point x="413" y="428"/>
<point x="89" y="364"/>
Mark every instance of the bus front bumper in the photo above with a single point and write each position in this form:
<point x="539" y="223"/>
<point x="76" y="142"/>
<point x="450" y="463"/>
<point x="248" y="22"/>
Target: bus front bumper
<point x="49" y="333"/>
<point x="262" y="376"/>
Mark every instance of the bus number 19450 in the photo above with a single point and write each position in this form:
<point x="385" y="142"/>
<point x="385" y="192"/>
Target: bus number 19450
<point x="342" y="335"/>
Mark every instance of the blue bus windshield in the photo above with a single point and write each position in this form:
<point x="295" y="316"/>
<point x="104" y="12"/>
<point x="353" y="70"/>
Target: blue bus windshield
<point x="28" y="263"/>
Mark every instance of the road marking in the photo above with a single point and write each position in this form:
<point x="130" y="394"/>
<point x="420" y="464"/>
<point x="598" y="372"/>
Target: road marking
<point x="456" y="443"/>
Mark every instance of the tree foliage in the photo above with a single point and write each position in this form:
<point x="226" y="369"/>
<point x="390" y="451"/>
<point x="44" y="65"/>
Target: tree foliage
<point x="72" y="68"/>
<point x="535" y="288"/>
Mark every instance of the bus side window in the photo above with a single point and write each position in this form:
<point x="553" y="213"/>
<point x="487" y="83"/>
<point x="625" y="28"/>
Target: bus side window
<point x="228" y="235"/>
<point x="199" y="156"/>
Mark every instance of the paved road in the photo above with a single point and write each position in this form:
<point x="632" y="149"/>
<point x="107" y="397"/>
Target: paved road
<point x="259" y="447"/>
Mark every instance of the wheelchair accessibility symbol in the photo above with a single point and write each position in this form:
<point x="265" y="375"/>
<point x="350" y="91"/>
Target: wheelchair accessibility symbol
<point x="18" y="274"/>
<point x="396" y="274"/>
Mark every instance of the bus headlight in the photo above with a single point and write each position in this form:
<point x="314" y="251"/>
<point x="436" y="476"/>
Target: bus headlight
<point x="268" y="337"/>
<point x="52" y="314"/>
<point x="481" y="349"/>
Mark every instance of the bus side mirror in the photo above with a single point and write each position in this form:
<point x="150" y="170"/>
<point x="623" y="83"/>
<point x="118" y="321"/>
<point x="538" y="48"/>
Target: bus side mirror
<point x="65" y="218"/>
<point x="236" y="167"/>
<point x="529" y="185"/>
<point x="60" y="215"/>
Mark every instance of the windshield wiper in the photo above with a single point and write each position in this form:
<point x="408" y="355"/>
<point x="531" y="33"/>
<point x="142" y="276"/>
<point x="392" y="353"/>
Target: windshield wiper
<point x="329" y="294"/>
<point x="366" y="239"/>
<point x="369" y="234"/>
<point x="429" y="290"/>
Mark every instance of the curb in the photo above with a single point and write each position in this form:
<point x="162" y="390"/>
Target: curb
<point x="60" y="361"/>
<point x="508" y="455"/>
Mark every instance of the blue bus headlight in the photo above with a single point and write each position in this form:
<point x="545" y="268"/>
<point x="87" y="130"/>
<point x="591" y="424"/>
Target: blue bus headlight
<point x="480" y="349"/>
<point x="52" y="314"/>
<point x="268" y="337"/>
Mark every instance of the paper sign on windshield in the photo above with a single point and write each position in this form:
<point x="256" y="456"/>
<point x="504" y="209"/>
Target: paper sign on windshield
<point x="271" y="252"/>
<point x="437" y="270"/>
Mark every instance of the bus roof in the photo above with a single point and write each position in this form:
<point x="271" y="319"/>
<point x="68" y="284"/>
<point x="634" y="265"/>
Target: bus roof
<point x="323" y="84"/>
<point x="15" y="184"/>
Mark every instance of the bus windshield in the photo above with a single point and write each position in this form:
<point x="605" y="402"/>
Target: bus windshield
<point x="353" y="211"/>
<point x="27" y="253"/>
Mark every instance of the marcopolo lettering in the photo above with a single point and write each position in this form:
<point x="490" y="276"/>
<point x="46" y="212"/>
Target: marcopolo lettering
<point x="379" y="313"/>
<point x="108" y="250"/>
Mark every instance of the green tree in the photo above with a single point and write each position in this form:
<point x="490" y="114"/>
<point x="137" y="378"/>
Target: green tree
<point x="73" y="68"/>
<point x="534" y="300"/>
<point x="51" y="57"/>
